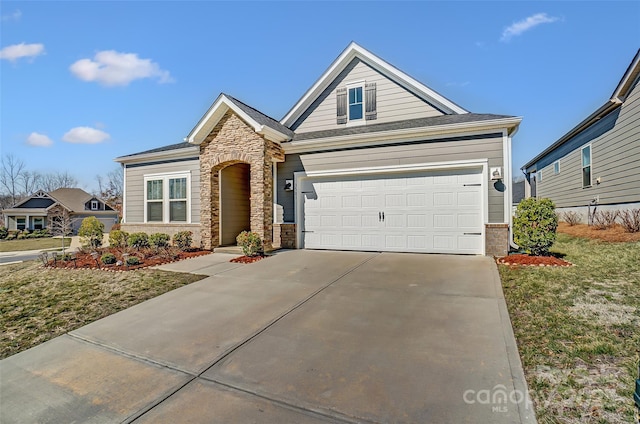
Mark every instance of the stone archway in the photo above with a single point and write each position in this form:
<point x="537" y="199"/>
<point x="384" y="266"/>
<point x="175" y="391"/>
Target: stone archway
<point x="234" y="202"/>
<point x="233" y="142"/>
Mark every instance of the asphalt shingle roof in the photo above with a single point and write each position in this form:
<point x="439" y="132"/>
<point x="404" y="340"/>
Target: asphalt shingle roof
<point x="399" y="125"/>
<point x="260" y="117"/>
<point x="177" y="146"/>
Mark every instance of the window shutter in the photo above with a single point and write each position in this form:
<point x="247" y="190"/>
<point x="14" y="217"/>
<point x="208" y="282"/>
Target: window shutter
<point x="371" y="103"/>
<point x="341" y="105"/>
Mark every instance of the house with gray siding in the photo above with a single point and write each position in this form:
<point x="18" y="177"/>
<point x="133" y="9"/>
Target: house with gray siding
<point x="594" y="166"/>
<point x="368" y="159"/>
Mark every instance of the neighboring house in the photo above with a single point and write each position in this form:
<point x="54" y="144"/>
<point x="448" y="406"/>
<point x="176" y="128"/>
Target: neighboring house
<point x="596" y="163"/>
<point x="368" y="159"/>
<point x="37" y="211"/>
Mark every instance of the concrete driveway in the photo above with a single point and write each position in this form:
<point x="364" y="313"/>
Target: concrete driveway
<point x="301" y="337"/>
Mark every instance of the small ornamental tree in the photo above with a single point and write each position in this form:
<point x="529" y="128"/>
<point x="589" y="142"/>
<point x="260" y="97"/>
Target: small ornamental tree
<point x="534" y="225"/>
<point x="250" y="242"/>
<point x="91" y="232"/>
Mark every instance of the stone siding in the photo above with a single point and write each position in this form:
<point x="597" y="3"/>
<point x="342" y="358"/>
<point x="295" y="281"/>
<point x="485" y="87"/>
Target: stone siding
<point x="497" y="240"/>
<point x="286" y="233"/>
<point x="232" y="141"/>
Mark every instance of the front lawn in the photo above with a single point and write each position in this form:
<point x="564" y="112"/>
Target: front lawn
<point x="32" y="244"/>
<point x="38" y="304"/>
<point x="577" y="330"/>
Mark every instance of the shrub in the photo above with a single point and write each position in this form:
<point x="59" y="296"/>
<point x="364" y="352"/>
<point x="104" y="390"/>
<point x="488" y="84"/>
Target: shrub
<point x="22" y="234"/>
<point x="572" y="218"/>
<point x="604" y="219"/>
<point x="118" y="238"/>
<point x="182" y="240"/>
<point x="91" y="232"/>
<point x="13" y="234"/>
<point x="138" y="240"/>
<point x="630" y="220"/>
<point x="534" y="225"/>
<point x="133" y="260"/>
<point x="4" y="232"/>
<point x="250" y="242"/>
<point x="159" y="240"/>
<point x="108" y="258"/>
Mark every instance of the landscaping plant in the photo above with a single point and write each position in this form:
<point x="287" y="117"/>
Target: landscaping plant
<point x="572" y="218"/>
<point x="630" y="220"/>
<point x="108" y="258"/>
<point x="182" y="240"/>
<point x="159" y="240"/>
<point x="118" y="238"/>
<point x="604" y="219"/>
<point x="91" y="232"/>
<point x="250" y="242"/>
<point x="3" y="233"/>
<point x="138" y="240"/>
<point x="534" y="225"/>
<point x="133" y="260"/>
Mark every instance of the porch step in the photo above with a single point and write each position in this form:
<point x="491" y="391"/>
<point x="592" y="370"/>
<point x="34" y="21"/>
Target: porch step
<point x="235" y="250"/>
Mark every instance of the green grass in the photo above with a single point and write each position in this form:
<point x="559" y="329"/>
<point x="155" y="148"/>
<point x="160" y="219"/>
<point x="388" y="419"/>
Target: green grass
<point x="38" y="304"/>
<point x="577" y="330"/>
<point x="32" y="244"/>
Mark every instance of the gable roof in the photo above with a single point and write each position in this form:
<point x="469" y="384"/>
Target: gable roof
<point x="168" y="148"/>
<point x="352" y="52"/>
<point x="618" y="97"/>
<point x="72" y="199"/>
<point x="261" y="123"/>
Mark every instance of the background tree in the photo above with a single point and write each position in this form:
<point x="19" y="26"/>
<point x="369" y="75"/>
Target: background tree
<point x="55" y="180"/>
<point x="110" y="188"/>
<point x="11" y="170"/>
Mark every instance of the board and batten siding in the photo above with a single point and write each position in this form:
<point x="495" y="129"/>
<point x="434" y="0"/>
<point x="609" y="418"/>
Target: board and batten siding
<point x="134" y="187"/>
<point x="402" y="154"/>
<point x="235" y="208"/>
<point x="394" y="103"/>
<point x="615" y="158"/>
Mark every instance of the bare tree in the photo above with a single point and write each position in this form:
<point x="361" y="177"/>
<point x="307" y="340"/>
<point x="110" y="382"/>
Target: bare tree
<point x="60" y="223"/>
<point x="55" y="180"/>
<point x="111" y="187"/>
<point x="30" y="182"/>
<point x="11" y="170"/>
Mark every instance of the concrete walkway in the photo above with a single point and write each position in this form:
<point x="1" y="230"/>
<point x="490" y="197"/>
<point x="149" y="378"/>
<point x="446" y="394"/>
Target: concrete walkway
<point x="301" y="337"/>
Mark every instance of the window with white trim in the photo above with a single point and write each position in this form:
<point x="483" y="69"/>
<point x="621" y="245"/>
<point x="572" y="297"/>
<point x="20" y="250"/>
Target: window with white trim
<point x="356" y="103"/>
<point x="586" y="166"/>
<point x="556" y="167"/>
<point x="38" y="223"/>
<point x="94" y="205"/>
<point x="21" y="223"/>
<point x="539" y="176"/>
<point x="167" y="198"/>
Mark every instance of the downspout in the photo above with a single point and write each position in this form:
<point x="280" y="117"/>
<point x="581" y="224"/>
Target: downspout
<point x="512" y="244"/>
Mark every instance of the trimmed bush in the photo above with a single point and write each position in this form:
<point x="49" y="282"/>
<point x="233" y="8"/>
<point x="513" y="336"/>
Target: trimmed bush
<point x="630" y="220"/>
<point x="159" y="240"/>
<point x="534" y="225"/>
<point x="4" y="232"/>
<point x="133" y="260"/>
<point x="182" y="240"/>
<point x="138" y="240"/>
<point x="118" y="238"/>
<point x="572" y="218"/>
<point x="251" y="243"/>
<point x="108" y="258"/>
<point x="91" y="232"/>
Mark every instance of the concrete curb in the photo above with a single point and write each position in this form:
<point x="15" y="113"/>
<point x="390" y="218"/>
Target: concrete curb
<point x="525" y="408"/>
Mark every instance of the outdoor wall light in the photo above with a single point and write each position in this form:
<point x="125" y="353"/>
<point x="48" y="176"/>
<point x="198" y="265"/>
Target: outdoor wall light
<point x="496" y="173"/>
<point x="288" y="185"/>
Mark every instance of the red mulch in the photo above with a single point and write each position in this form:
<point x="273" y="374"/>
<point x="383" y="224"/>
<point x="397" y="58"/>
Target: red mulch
<point x="247" y="259"/>
<point x="147" y="259"/>
<point x="526" y="260"/>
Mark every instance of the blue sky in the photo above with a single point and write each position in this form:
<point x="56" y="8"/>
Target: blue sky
<point x="84" y="82"/>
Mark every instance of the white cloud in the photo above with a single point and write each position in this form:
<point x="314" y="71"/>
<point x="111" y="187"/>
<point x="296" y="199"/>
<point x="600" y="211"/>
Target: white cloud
<point x="526" y="24"/>
<point x="39" y="140"/>
<point x="85" y="135"/>
<point x="16" y="51"/>
<point x="113" y="68"/>
<point x="15" y="16"/>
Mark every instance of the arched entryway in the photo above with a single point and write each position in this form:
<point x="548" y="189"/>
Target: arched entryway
<point x="235" y="202"/>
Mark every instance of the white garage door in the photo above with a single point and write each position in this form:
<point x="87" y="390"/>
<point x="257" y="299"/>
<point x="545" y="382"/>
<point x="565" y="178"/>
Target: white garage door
<point x="435" y="212"/>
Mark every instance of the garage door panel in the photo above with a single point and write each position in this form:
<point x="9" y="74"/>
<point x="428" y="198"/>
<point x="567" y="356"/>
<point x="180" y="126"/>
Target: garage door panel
<point x="423" y="212"/>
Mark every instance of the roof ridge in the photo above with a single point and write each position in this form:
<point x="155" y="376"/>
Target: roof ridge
<point x="254" y="109"/>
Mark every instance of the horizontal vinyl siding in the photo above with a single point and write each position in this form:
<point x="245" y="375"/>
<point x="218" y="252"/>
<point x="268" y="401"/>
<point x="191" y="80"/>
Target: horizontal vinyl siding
<point x="429" y="152"/>
<point x="134" y="186"/>
<point x="615" y="156"/>
<point x="394" y="103"/>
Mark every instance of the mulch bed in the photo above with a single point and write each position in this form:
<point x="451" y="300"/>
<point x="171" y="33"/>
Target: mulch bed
<point x="527" y="260"/>
<point x="247" y="259"/>
<point x="86" y="261"/>
<point x="615" y="234"/>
